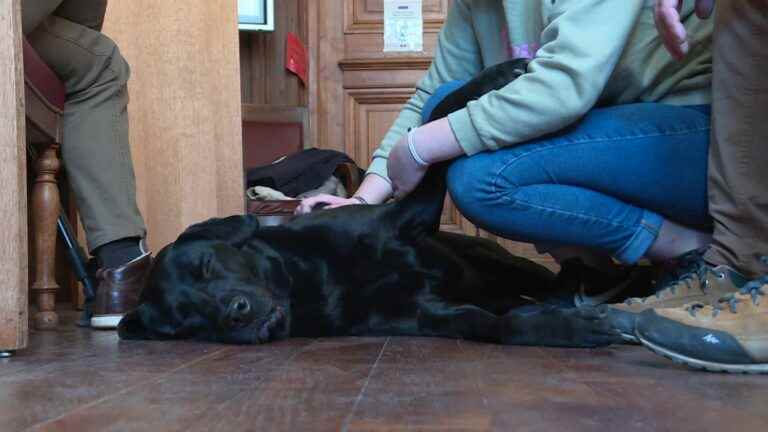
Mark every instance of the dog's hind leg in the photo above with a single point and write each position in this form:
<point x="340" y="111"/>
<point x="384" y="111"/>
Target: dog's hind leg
<point x="459" y="322"/>
<point x="548" y="325"/>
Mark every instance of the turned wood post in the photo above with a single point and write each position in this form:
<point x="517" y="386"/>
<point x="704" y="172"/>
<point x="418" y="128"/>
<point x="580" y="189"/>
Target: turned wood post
<point x="45" y="212"/>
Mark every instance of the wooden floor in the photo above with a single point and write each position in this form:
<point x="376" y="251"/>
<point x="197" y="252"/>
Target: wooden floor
<point x="84" y="380"/>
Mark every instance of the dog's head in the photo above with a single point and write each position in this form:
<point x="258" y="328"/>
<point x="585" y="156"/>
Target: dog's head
<point x="216" y="282"/>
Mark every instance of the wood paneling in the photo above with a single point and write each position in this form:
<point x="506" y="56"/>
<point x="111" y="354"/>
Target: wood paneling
<point x="370" y="113"/>
<point x="185" y="109"/>
<point x="265" y="81"/>
<point x="350" y="66"/>
<point x="271" y="95"/>
<point x="279" y="114"/>
<point x="271" y="132"/>
<point x="522" y="249"/>
<point x="13" y="193"/>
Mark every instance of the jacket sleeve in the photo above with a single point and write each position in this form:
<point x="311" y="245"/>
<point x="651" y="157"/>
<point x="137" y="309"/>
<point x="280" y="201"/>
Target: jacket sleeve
<point x="457" y="56"/>
<point x="581" y="44"/>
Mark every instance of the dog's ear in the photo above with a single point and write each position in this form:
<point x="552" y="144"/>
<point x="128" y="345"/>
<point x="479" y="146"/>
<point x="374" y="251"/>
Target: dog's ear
<point x="146" y="323"/>
<point x="132" y="327"/>
<point x="270" y="265"/>
<point x="234" y="230"/>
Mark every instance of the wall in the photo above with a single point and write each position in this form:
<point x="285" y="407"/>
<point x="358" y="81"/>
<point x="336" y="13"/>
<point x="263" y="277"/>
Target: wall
<point x="184" y="110"/>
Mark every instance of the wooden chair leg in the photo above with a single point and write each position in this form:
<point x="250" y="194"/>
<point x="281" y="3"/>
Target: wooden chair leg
<point x="45" y="207"/>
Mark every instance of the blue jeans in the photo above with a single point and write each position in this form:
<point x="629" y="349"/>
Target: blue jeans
<point x="606" y="182"/>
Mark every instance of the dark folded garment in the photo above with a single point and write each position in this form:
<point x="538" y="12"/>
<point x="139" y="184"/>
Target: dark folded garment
<point x="299" y="172"/>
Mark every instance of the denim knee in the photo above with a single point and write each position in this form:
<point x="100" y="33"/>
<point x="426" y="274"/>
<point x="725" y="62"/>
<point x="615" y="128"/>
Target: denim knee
<point x="470" y="184"/>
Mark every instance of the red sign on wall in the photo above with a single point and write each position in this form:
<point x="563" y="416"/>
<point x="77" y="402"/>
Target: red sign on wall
<point x="296" y="57"/>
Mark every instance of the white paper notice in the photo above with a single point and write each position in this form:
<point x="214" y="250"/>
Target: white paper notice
<point x="403" y="25"/>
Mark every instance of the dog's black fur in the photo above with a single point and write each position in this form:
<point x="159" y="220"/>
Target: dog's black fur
<point x="357" y="270"/>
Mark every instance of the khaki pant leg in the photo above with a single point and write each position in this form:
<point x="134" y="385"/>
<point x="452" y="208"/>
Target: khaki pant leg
<point x="738" y="165"/>
<point x="33" y="12"/>
<point x="89" y="13"/>
<point x="95" y="149"/>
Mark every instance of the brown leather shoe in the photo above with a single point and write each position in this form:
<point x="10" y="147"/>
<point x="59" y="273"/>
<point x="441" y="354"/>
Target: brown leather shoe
<point x="118" y="291"/>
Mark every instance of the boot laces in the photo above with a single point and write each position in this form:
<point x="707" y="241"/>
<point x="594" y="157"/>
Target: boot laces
<point x="693" y="268"/>
<point x="754" y="289"/>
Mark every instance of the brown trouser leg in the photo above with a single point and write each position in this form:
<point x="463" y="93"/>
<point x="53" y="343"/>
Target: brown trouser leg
<point x="738" y="163"/>
<point x="95" y="147"/>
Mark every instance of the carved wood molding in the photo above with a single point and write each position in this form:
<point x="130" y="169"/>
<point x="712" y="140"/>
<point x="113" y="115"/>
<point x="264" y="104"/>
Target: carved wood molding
<point x="361" y="106"/>
<point x="377" y="96"/>
<point x="430" y="26"/>
<point x="385" y="63"/>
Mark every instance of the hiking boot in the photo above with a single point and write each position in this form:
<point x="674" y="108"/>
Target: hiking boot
<point x="694" y="281"/>
<point x="118" y="291"/>
<point x="730" y="335"/>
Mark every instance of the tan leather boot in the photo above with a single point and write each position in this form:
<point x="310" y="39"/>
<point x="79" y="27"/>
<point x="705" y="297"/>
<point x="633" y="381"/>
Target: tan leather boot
<point x="730" y="335"/>
<point x="700" y="283"/>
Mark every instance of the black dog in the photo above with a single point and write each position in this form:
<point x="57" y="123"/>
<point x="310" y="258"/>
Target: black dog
<point x="357" y="270"/>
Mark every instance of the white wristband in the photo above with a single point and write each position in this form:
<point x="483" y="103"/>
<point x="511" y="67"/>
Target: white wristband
<point x="412" y="149"/>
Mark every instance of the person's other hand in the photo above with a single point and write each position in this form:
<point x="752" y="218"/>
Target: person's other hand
<point x="330" y="201"/>
<point x="403" y="170"/>
<point x="670" y="27"/>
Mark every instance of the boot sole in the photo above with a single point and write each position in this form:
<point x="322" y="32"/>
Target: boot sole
<point x="106" y="322"/>
<point x="759" y="368"/>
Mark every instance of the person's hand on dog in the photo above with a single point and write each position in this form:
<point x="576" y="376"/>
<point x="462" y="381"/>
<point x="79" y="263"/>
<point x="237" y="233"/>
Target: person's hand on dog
<point x="670" y="27"/>
<point x="411" y="156"/>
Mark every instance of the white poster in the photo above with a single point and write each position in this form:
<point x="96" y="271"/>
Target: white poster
<point x="403" y="25"/>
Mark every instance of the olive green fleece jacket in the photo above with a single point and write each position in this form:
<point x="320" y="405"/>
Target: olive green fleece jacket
<point x="584" y="53"/>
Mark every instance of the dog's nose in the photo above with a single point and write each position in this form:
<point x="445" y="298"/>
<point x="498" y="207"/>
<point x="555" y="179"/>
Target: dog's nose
<point x="239" y="312"/>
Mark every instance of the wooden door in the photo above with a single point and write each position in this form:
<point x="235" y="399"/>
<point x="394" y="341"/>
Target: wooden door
<point x="358" y="90"/>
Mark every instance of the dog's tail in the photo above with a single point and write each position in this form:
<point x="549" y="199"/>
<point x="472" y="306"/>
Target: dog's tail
<point x="422" y="208"/>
